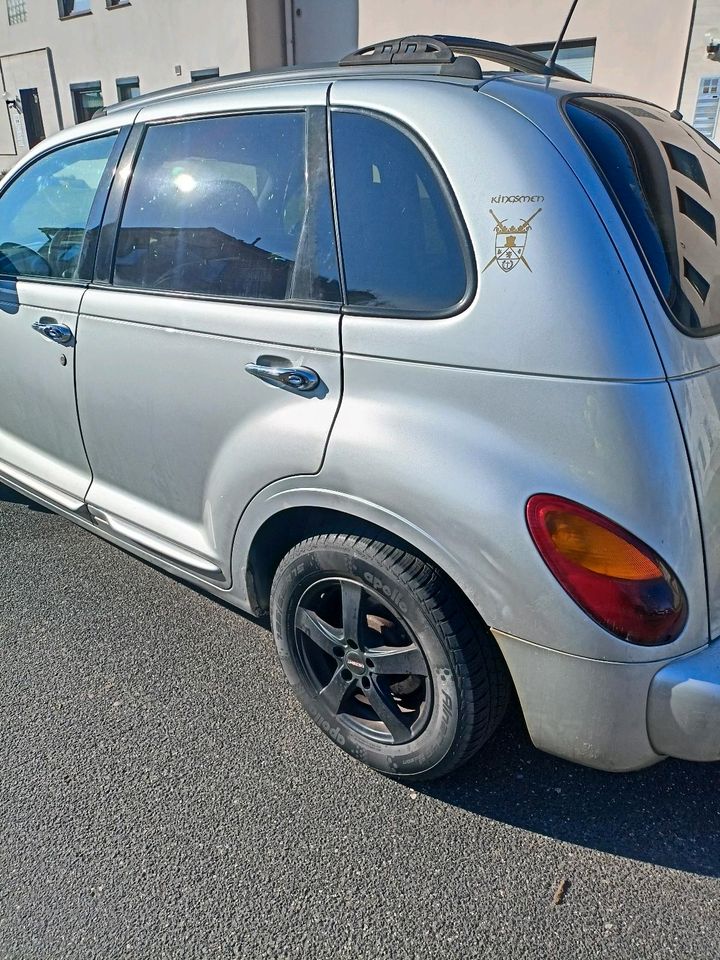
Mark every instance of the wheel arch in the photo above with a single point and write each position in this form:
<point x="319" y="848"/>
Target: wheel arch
<point x="284" y="519"/>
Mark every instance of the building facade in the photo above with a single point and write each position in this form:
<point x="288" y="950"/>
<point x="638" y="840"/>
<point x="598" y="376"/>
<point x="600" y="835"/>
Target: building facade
<point x="636" y="46"/>
<point x="700" y="94"/>
<point x="60" y="60"/>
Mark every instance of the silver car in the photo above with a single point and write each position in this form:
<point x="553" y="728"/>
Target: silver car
<point x="420" y="357"/>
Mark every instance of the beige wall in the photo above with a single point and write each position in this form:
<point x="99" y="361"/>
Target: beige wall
<point x="266" y="26"/>
<point x="19" y="72"/>
<point x="146" y="39"/>
<point x="640" y="43"/>
<point x="323" y="30"/>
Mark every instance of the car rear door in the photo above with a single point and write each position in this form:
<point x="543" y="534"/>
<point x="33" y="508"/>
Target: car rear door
<point x="209" y="359"/>
<point x="48" y="216"/>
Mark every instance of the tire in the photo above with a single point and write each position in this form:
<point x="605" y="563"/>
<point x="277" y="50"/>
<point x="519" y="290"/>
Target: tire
<point x="386" y="655"/>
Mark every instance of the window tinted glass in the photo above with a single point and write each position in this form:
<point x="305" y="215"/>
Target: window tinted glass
<point x="665" y="180"/>
<point x="401" y="245"/>
<point x="219" y="206"/>
<point x="87" y="99"/>
<point x="44" y="212"/>
<point x="127" y="88"/>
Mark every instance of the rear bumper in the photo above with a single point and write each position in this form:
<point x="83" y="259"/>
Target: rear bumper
<point x="617" y="716"/>
<point x="683" y="716"/>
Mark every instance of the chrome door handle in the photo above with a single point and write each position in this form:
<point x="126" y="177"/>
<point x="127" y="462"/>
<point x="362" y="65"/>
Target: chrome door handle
<point x="297" y="378"/>
<point x="57" y="332"/>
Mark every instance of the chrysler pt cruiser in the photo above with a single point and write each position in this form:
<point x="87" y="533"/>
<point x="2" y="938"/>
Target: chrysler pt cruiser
<point x="420" y="357"/>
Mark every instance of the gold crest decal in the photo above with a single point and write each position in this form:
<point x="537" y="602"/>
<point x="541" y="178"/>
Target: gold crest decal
<point x="510" y="243"/>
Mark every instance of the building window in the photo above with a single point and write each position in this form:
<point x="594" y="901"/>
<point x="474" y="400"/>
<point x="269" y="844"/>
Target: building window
<point x="197" y="75"/>
<point x="112" y="4"/>
<point x="706" y="108"/>
<point x="87" y="100"/>
<point x="576" y="55"/>
<point x="127" y="88"/>
<point x="16" y="12"/>
<point x="73" y="8"/>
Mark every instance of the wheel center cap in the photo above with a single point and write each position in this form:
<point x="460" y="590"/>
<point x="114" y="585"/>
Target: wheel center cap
<point x="355" y="662"/>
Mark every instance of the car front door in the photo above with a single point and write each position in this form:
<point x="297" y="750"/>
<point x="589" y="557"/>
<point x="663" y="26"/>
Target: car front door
<point x="209" y="350"/>
<point x="45" y="254"/>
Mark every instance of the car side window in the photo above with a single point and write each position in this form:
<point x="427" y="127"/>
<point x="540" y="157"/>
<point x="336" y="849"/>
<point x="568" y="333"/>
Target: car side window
<point x="403" y="249"/>
<point x="229" y="207"/>
<point x="44" y="211"/>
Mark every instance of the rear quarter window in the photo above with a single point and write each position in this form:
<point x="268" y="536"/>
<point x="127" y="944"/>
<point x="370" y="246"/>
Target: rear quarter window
<point x="664" y="178"/>
<point x="404" y="249"/>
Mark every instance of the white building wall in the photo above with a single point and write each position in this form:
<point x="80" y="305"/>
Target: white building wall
<point x="707" y="18"/>
<point x="145" y="38"/>
<point x="640" y="43"/>
<point x="26" y="70"/>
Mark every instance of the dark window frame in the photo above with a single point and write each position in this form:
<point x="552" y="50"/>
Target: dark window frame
<point x="126" y="82"/>
<point x="86" y="260"/>
<point x="84" y="87"/>
<point x="453" y="206"/>
<point x="207" y="73"/>
<point x="110" y="231"/>
<point x="695" y="333"/>
<point x="71" y="16"/>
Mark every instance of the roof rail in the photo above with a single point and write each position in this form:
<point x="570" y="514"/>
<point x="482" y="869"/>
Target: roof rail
<point x="441" y="49"/>
<point x="419" y="49"/>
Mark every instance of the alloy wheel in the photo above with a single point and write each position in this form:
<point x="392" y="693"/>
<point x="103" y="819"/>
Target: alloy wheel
<point x="362" y="662"/>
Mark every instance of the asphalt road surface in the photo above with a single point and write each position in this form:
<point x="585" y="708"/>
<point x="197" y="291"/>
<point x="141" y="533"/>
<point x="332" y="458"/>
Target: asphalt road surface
<point x="163" y="796"/>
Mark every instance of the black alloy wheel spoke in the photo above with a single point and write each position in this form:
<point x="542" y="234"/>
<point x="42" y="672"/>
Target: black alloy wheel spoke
<point x="320" y="632"/>
<point x="388" y="711"/>
<point x="399" y="661"/>
<point x="352" y="612"/>
<point x="335" y="692"/>
<point x="354" y="649"/>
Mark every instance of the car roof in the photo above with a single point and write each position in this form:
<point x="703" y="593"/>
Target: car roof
<point x="436" y="61"/>
<point x="252" y="78"/>
<point x="416" y="56"/>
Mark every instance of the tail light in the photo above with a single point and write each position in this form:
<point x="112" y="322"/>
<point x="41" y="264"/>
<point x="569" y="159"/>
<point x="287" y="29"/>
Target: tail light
<point x="614" y="577"/>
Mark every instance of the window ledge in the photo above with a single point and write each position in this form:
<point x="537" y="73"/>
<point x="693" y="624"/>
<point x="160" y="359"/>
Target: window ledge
<point x="74" y="16"/>
<point x="118" y="6"/>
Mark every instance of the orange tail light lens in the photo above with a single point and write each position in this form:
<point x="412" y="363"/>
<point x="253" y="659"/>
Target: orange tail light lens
<point x="614" y="577"/>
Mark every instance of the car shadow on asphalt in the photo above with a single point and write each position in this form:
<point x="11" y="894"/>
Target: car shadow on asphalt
<point x="666" y="815"/>
<point x="11" y="496"/>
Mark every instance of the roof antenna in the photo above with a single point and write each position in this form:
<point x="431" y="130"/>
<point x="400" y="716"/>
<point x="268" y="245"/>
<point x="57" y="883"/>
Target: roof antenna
<point x="550" y="65"/>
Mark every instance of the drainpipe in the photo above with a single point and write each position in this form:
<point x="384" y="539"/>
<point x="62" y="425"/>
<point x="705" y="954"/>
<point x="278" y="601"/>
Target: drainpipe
<point x="687" y="56"/>
<point x="289" y="32"/>
<point x="55" y="88"/>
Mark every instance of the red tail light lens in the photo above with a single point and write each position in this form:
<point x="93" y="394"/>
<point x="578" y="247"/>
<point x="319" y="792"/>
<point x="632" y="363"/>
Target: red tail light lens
<point x="616" y="579"/>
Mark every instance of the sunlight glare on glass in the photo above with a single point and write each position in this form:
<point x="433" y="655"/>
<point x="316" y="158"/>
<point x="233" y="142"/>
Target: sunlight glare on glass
<point x="185" y="182"/>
